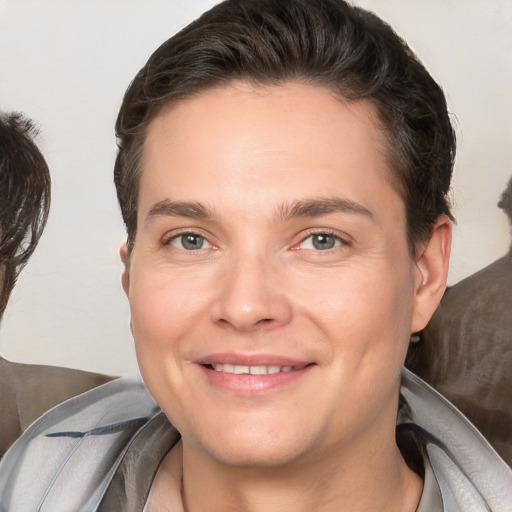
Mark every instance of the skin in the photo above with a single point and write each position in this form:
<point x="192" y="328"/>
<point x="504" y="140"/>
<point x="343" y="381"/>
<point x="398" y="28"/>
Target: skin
<point x="304" y="257"/>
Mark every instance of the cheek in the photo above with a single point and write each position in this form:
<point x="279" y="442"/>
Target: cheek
<point x="160" y="316"/>
<point x="366" y="314"/>
<point x="159" y="323"/>
<point x="162" y="308"/>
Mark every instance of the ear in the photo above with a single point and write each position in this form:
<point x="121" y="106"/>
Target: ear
<point x="124" y="252"/>
<point x="431" y="273"/>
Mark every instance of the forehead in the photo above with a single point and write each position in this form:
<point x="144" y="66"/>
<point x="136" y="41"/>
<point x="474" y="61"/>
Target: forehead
<point x="268" y="142"/>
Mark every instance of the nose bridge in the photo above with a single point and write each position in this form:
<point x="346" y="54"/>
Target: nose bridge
<point x="250" y="294"/>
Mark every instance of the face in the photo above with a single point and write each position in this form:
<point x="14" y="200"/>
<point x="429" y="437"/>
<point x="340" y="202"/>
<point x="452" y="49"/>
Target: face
<point x="271" y="288"/>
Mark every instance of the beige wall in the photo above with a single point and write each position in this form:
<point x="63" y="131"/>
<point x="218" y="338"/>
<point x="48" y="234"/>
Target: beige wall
<point x="67" y="63"/>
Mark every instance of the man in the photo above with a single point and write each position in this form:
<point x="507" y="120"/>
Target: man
<point x="282" y="172"/>
<point x="26" y="391"/>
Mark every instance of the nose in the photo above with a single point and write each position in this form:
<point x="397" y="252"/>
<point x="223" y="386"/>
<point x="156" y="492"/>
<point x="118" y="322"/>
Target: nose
<point x="251" y="295"/>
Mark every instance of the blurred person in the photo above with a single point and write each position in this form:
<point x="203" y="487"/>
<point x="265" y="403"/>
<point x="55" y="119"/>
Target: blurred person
<point x="465" y="353"/>
<point x="26" y="390"/>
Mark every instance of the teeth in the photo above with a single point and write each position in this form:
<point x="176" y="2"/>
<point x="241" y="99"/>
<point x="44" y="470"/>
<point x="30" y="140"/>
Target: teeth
<point x="252" y="370"/>
<point x="258" y="370"/>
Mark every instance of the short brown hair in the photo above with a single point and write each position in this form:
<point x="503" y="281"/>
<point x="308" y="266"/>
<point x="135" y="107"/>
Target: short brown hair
<point x="25" y="191"/>
<point x="323" y="42"/>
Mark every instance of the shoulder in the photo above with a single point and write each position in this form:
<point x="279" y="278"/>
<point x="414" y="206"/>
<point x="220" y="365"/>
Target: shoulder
<point x="29" y="390"/>
<point x="470" y="474"/>
<point x="83" y="438"/>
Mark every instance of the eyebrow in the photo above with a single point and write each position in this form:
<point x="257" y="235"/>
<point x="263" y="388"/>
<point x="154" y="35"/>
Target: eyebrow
<point x="287" y="211"/>
<point x="190" y="209"/>
<point x="320" y="207"/>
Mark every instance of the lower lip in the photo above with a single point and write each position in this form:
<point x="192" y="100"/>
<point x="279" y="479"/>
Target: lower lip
<point x="245" y="384"/>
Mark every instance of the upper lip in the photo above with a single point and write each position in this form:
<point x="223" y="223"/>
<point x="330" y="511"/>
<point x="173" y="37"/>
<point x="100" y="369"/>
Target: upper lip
<point x="252" y="360"/>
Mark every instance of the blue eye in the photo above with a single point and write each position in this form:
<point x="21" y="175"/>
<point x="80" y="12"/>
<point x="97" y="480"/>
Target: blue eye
<point x="320" y="242"/>
<point x="188" y="241"/>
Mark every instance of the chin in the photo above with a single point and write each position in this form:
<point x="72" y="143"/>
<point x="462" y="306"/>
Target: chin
<point x="254" y="445"/>
<point x="261" y="454"/>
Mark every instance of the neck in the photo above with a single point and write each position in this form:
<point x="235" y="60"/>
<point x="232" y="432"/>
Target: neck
<point x="359" y="482"/>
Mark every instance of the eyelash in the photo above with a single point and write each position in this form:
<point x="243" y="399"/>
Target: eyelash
<point x="168" y="240"/>
<point x="343" y="241"/>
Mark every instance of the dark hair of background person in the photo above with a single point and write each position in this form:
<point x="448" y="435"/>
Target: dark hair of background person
<point x="327" y="43"/>
<point x="25" y="192"/>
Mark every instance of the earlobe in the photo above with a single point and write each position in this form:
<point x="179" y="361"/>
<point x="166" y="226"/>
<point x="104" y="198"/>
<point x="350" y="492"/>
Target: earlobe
<point x="432" y="272"/>
<point x="125" y="258"/>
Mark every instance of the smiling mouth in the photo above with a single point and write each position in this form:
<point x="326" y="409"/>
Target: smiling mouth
<point x="241" y="376"/>
<point x="254" y="370"/>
